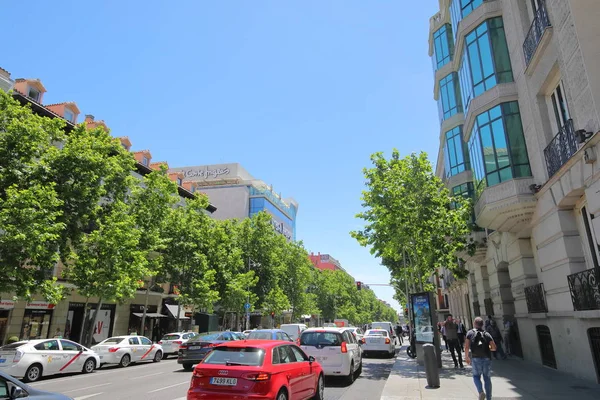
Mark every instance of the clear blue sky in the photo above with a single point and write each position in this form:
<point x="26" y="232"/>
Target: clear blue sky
<point x="299" y="92"/>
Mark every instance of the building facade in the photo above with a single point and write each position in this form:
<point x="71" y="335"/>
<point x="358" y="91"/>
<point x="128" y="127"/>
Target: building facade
<point x="518" y="89"/>
<point x="325" y="262"/>
<point x="237" y="194"/>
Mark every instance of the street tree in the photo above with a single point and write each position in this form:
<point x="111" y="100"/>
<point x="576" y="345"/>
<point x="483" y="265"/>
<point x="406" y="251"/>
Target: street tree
<point x="297" y="278"/>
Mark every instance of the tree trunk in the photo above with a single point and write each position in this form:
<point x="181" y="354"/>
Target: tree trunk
<point x="94" y="320"/>
<point x="82" y="333"/>
<point x="178" y="314"/>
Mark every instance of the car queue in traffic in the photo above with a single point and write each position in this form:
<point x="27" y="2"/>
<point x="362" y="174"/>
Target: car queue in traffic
<point x="287" y="363"/>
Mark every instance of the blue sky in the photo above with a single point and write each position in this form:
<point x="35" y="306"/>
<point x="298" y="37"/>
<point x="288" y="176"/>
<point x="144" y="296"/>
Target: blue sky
<point x="299" y="92"/>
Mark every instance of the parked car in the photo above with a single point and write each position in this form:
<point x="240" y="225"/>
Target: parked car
<point x="388" y="326"/>
<point x="269" y="334"/>
<point x="171" y="342"/>
<point x="33" y="359"/>
<point x="336" y="349"/>
<point x="246" y="333"/>
<point x="11" y="388"/>
<point x="378" y="341"/>
<point x="294" y="330"/>
<point x="257" y="369"/>
<point x="358" y="333"/>
<point x="198" y="347"/>
<point x="124" y="350"/>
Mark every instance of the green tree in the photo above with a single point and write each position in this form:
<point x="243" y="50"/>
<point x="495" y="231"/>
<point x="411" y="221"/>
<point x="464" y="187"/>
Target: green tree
<point x="296" y="279"/>
<point x="408" y="211"/>
<point x="30" y="208"/>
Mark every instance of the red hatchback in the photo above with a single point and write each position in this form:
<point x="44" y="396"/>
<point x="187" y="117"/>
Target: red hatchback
<point x="257" y="369"/>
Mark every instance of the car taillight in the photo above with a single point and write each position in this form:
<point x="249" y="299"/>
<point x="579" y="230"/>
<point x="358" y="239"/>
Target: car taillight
<point x="344" y="347"/>
<point x="18" y="356"/>
<point x="257" y="376"/>
<point x="198" y="373"/>
<point x="183" y="346"/>
<point x="178" y="342"/>
<point x="298" y="341"/>
<point x="363" y="341"/>
<point x="387" y="340"/>
<point x="113" y="349"/>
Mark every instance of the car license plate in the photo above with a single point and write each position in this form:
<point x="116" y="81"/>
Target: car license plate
<point x="375" y="341"/>
<point x="321" y="358"/>
<point x="194" y="347"/>
<point x="223" y="381"/>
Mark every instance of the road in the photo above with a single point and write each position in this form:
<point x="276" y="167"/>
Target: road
<point x="167" y="381"/>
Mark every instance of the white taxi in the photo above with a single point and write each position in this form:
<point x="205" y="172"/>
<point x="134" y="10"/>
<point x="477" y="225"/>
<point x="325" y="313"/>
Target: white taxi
<point x="378" y="341"/>
<point x="124" y="350"/>
<point x="171" y="342"/>
<point x="33" y="359"/>
<point x="336" y="349"/>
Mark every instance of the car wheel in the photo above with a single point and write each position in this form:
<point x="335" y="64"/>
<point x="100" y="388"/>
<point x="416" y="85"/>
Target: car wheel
<point x="188" y="367"/>
<point x="282" y="395"/>
<point x="359" y="370"/>
<point x="125" y="361"/>
<point x="158" y="356"/>
<point x="33" y="373"/>
<point x="165" y="356"/>
<point x="89" y="366"/>
<point x="320" y="390"/>
<point x="350" y="377"/>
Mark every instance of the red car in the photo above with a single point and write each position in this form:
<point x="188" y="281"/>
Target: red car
<point x="257" y="369"/>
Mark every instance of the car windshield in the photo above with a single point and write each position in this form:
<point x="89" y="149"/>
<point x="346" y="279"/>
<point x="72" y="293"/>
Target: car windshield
<point x="251" y="356"/>
<point x="113" y="340"/>
<point x="260" y="335"/>
<point x="172" y="336"/>
<point x="376" y="333"/>
<point x="321" y="339"/>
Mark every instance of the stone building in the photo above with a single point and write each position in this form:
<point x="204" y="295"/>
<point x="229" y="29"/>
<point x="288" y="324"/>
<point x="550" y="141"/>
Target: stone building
<point x="518" y="88"/>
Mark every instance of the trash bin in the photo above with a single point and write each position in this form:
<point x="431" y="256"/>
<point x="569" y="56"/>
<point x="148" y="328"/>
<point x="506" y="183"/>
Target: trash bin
<point x="431" y="368"/>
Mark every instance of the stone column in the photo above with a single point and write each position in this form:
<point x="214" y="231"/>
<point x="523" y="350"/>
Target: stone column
<point x="522" y="271"/>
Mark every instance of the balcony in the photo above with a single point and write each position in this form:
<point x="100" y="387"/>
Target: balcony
<point x="536" y="299"/>
<point x="585" y="292"/>
<point x="539" y="25"/>
<point x="561" y="148"/>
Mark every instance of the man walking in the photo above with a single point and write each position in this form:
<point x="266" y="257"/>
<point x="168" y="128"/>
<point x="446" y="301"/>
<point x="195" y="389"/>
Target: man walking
<point x="481" y="344"/>
<point x="452" y="340"/>
<point x="462" y="332"/>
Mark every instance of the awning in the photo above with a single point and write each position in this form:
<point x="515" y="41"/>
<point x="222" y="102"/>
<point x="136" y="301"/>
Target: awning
<point x="306" y="316"/>
<point x="173" y="311"/>
<point x="149" y="315"/>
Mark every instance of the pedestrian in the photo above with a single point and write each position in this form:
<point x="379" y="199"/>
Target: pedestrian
<point x="443" y="331"/>
<point x="58" y="334"/>
<point x="507" y="339"/>
<point x="462" y="332"/>
<point x="481" y="344"/>
<point x="494" y="331"/>
<point x="451" y="330"/>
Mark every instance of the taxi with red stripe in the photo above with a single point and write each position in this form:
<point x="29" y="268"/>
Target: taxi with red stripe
<point x="30" y="360"/>
<point x="127" y="349"/>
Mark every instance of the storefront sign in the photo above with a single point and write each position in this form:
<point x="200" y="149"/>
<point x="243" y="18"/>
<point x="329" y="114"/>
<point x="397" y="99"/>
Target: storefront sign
<point x="206" y="173"/>
<point x="39" y="305"/>
<point x="279" y="227"/>
<point x="421" y="307"/>
<point x="7" y="304"/>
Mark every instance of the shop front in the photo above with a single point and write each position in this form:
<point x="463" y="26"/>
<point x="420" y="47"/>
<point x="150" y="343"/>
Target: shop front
<point x="177" y="317"/>
<point x="151" y="323"/>
<point x="5" y="308"/>
<point x="104" y="323"/>
<point x="36" y="320"/>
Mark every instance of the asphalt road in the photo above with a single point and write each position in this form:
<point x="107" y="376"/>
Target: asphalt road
<point x="167" y="381"/>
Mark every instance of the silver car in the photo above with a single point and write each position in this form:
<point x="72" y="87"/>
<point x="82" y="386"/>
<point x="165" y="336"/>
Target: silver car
<point x="171" y="342"/>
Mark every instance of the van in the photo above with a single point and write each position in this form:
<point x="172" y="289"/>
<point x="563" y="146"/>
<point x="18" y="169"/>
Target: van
<point x="384" y="325"/>
<point x="293" y="330"/>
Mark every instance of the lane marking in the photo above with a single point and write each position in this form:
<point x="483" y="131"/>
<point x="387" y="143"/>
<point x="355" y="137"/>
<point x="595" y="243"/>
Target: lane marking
<point x="87" y="396"/>
<point x="169" y="387"/>
<point x="87" y="387"/>
<point x="145" y="376"/>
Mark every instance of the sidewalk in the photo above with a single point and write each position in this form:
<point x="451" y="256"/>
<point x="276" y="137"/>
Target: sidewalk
<point x="511" y="379"/>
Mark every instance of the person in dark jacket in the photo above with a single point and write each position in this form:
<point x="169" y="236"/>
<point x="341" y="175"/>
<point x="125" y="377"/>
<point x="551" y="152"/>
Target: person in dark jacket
<point x="494" y="331"/>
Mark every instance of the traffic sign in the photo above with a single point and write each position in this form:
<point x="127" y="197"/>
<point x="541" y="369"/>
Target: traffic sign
<point x="247" y="306"/>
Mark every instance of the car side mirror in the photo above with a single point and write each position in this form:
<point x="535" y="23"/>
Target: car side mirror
<point x="80" y="349"/>
<point x="311" y="359"/>
<point x="18" y="392"/>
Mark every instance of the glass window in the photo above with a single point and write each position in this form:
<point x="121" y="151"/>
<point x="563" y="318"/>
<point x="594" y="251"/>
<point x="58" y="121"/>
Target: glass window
<point x="486" y="61"/>
<point x="34" y="94"/>
<point x="69" y="346"/>
<point x="145" y="161"/>
<point x="250" y="356"/>
<point x="133" y="341"/>
<point x="285" y="354"/>
<point x="460" y="9"/>
<point x="443" y="46"/>
<point x="179" y="181"/>
<point x="455" y="152"/>
<point x="449" y="102"/>
<point x="497" y="147"/>
<point x="69" y="116"/>
<point x="145" y="341"/>
<point x="300" y="355"/>
<point x="50" y="345"/>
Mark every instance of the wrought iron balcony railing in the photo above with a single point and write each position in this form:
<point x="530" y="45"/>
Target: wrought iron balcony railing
<point x="561" y="148"/>
<point x="585" y="291"/>
<point x="536" y="31"/>
<point x="536" y="298"/>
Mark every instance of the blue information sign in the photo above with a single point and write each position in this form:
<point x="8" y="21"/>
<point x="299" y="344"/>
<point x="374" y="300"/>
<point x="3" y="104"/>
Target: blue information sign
<point x="247" y="306"/>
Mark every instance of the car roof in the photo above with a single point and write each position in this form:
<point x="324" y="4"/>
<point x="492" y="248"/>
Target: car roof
<point x="325" y="329"/>
<point x="263" y="344"/>
<point x="268" y="330"/>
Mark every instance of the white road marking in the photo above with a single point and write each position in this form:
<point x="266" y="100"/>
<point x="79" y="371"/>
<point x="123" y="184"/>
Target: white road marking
<point x="145" y="376"/>
<point x="168" y="387"/>
<point x="87" y="387"/>
<point x="87" y="396"/>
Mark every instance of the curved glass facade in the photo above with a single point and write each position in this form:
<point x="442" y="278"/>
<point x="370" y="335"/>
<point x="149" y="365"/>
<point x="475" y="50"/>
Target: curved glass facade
<point x="460" y="9"/>
<point x="486" y="61"/>
<point x="449" y="102"/>
<point x="497" y="147"/>
<point x="456" y="157"/>
<point x="443" y="46"/>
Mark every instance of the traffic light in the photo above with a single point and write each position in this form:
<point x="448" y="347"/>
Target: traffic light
<point x="358" y="285"/>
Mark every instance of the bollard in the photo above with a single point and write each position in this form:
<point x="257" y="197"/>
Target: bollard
<point x="431" y="367"/>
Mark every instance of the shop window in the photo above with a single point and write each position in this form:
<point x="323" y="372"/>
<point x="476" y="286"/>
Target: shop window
<point x="36" y="324"/>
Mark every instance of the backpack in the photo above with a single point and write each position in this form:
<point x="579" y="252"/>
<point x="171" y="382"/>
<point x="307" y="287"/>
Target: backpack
<point x="480" y="344"/>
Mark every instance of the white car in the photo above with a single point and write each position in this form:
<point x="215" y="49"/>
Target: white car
<point x="33" y="359"/>
<point x="358" y="333"/>
<point x="171" y="341"/>
<point x="378" y="341"/>
<point x="124" y="350"/>
<point x="336" y="349"/>
<point x="293" y="330"/>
